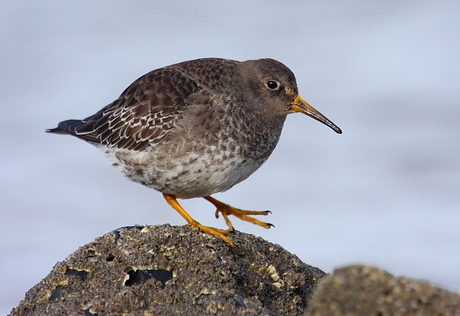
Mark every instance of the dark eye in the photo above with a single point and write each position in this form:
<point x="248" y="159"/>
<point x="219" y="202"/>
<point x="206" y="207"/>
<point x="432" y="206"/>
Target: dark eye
<point x="272" y="85"/>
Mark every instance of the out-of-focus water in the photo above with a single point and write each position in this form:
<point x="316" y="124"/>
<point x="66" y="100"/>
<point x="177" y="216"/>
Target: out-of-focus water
<point x="386" y="192"/>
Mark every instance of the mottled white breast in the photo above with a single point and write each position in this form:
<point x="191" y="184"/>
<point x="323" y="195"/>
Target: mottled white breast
<point x="185" y="177"/>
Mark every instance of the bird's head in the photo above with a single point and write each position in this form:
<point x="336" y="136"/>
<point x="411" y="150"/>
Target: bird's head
<point x="274" y="84"/>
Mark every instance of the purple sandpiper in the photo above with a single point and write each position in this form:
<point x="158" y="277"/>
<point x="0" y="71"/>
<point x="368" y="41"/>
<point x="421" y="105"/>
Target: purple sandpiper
<point x="196" y="128"/>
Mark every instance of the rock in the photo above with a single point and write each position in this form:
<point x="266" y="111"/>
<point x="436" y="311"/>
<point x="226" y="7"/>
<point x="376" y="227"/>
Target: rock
<point x="165" y="270"/>
<point x="366" y="290"/>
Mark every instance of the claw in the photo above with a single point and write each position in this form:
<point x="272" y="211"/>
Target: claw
<point x="244" y="215"/>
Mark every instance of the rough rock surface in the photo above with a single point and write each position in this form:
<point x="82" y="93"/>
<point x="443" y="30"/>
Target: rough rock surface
<point x="164" y="270"/>
<point x="366" y="290"/>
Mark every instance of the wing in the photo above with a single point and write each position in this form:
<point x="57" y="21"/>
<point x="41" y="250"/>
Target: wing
<point x="144" y="113"/>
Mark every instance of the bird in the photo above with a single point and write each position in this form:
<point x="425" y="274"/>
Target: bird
<point x="196" y="128"/>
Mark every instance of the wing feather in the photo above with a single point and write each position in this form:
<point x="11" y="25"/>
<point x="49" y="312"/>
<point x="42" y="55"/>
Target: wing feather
<point x="144" y="114"/>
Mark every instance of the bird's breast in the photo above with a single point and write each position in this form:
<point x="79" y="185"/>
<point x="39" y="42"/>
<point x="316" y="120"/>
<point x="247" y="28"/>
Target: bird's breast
<point x="210" y="151"/>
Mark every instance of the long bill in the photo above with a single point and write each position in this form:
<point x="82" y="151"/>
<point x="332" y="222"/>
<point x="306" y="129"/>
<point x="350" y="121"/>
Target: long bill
<point x="301" y="106"/>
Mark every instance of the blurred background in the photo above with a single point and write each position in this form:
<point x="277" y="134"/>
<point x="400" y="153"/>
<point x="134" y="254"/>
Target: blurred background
<point x="386" y="192"/>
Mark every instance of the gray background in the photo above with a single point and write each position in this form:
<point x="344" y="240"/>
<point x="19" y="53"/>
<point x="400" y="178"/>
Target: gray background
<point x="386" y="192"/>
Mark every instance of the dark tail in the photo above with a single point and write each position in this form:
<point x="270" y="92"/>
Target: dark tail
<point x="78" y="128"/>
<point x="84" y="129"/>
<point x="66" y="127"/>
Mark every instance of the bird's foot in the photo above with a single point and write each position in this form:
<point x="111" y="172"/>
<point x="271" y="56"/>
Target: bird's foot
<point x="219" y="233"/>
<point x="244" y="215"/>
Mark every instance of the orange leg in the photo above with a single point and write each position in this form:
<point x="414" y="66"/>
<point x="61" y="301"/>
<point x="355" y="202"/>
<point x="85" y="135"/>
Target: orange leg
<point x="226" y="210"/>
<point x="171" y="199"/>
